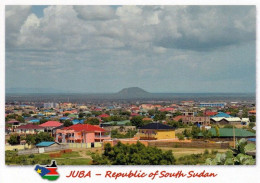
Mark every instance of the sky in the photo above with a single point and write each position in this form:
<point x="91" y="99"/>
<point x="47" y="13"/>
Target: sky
<point x="191" y="49"/>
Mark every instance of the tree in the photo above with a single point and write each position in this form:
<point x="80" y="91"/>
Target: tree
<point x="252" y="118"/>
<point x="81" y="115"/>
<point x="30" y="139"/>
<point x="251" y="125"/>
<point x="14" y="139"/>
<point x="42" y="120"/>
<point x="92" y="121"/>
<point x="137" y="121"/>
<point x="195" y="131"/>
<point x="134" y="154"/>
<point x="67" y="123"/>
<point x="160" y="116"/>
<point x="43" y="136"/>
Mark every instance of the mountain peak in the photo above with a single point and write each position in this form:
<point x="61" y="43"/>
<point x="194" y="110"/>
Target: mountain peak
<point x="133" y="92"/>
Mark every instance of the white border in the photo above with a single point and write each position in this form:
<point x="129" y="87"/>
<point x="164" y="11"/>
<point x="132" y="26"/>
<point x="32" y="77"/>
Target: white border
<point x="16" y="174"/>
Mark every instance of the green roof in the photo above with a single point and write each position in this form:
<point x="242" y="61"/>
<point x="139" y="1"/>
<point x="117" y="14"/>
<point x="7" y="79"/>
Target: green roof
<point x="228" y="132"/>
<point x="119" y="123"/>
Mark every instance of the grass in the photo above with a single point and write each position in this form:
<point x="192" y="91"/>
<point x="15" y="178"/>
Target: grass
<point x="73" y="158"/>
<point x="79" y="161"/>
<point x="180" y="152"/>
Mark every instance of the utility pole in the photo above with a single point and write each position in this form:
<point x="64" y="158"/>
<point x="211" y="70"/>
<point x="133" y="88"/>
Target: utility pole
<point x="234" y="141"/>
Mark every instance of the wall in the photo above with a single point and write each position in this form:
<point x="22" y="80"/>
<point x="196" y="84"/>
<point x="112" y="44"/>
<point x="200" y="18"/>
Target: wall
<point x="192" y="144"/>
<point x="18" y="147"/>
<point x="46" y="149"/>
<point x="165" y="134"/>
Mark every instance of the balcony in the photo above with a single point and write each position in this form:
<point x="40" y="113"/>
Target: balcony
<point x="102" y="137"/>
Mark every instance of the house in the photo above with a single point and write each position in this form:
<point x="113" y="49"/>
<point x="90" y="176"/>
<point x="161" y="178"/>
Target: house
<point x="252" y="113"/>
<point x="50" y="125"/>
<point x="14" y="124"/>
<point x="47" y="144"/>
<point x="225" y="121"/>
<point x="29" y="129"/>
<point x="156" y="131"/>
<point x="81" y="133"/>
<point x="196" y="120"/>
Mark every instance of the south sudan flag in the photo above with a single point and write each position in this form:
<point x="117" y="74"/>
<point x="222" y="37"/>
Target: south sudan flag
<point x="48" y="172"/>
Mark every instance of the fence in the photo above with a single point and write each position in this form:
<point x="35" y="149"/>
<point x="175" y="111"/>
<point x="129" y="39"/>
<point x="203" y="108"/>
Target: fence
<point x="42" y="150"/>
<point x="192" y="144"/>
<point x="84" y="145"/>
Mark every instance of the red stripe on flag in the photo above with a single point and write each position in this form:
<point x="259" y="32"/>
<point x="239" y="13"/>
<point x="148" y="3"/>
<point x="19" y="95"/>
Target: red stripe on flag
<point x="52" y="171"/>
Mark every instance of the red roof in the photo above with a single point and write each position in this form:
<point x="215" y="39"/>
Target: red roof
<point x="29" y="126"/>
<point x="177" y="118"/>
<point x="103" y="116"/>
<point x="51" y="124"/>
<point x="97" y="109"/>
<point x="210" y="113"/>
<point x="134" y="114"/>
<point x="85" y="127"/>
<point x="13" y="121"/>
<point x="167" y="109"/>
<point x="252" y="112"/>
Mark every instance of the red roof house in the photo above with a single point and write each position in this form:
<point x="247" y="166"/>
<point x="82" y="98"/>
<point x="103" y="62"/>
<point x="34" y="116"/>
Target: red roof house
<point x="103" y="116"/>
<point x="29" y="129"/>
<point x="81" y="133"/>
<point x="51" y="124"/>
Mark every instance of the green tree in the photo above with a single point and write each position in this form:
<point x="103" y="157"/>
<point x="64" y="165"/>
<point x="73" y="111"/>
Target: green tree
<point x="252" y="118"/>
<point x="137" y="121"/>
<point x="135" y="154"/>
<point x="195" y="131"/>
<point x="67" y="123"/>
<point x="14" y="139"/>
<point x="30" y="139"/>
<point x="43" y="136"/>
<point x="92" y="121"/>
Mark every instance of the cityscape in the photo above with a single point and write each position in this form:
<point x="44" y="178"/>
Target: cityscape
<point x="130" y="85"/>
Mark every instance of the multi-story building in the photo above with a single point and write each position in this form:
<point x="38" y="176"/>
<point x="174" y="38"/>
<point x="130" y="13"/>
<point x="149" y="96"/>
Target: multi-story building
<point x="201" y="120"/>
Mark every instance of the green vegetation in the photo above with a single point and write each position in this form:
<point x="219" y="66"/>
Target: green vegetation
<point x="14" y="139"/>
<point x="235" y="156"/>
<point x="137" y="121"/>
<point x="73" y="158"/>
<point x="67" y="123"/>
<point x="135" y="154"/>
<point x="196" y="159"/>
<point x="130" y="134"/>
<point x="30" y="139"/>
<point x="92" y="121"/>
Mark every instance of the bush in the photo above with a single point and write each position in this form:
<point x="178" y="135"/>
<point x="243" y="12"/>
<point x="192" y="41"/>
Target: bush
<point x="134" y="154"/>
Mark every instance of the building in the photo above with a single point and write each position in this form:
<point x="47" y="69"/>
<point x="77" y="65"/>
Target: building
<point x="252" y="113"/>
<point x="50" y="125"/>
<point x="213" y="104"/>
<point x="47" y="144"/>
<point x="230" y="133"/>
<point x="187" y="103"/>
<point x="81" y="133"/>
<point x="196" y="120"/>
<point x="156" y="131"/>
<point x="29" y="129"/>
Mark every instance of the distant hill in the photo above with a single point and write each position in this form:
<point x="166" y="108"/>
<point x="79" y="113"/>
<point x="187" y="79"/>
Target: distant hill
<point x="133" y="92"/>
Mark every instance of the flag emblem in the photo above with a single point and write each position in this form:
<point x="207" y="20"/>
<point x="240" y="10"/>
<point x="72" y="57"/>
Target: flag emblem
<point x="48" y="172"/>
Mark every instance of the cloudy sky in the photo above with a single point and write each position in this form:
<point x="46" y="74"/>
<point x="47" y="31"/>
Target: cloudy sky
<point x="107" y="48"/>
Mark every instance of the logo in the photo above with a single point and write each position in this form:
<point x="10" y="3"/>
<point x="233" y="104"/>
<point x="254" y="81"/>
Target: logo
<point x="48" y="172"/>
